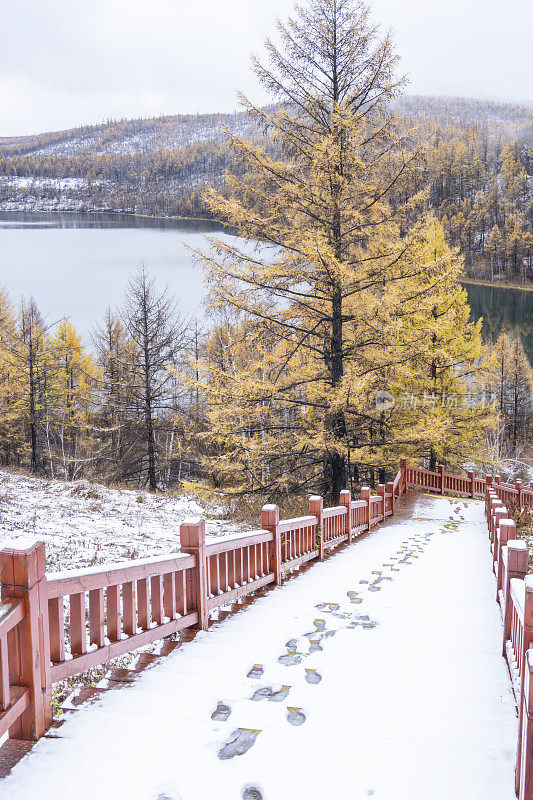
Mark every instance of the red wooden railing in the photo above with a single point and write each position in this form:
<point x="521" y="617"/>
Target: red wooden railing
<point x="470" y="486"/>
<point x="113" y="612"/>
<point x="14" y="698"/>
<point x="514" y="592"/>
<point x="56" y="625"/>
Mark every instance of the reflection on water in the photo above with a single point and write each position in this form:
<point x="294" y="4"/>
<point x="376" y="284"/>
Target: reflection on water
<point x="500" y="308"/>
<point x="68" y="219"/>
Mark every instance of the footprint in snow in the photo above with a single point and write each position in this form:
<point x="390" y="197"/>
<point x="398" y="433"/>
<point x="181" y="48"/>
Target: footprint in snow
<point x="314" y="646"/>
<point x="275" y="696"/>
<point x="262" y="693"/>
<point x="312" y="676"/>
<point x="295" y="716"/>
<point x="239" y="744"/>
<point x="256" y="671"/>
<point x="221" y="712"/>
<point x="328" y="607"/>
<point x="289" y="659"/>
<point x="354" y="597"/>
<point x="319" y="624"/>
<point x="291" y="645"/>
<point x="251" y="793"/>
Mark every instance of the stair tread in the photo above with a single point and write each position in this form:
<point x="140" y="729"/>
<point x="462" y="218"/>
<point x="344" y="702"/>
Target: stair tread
<point x="10" y="754"/>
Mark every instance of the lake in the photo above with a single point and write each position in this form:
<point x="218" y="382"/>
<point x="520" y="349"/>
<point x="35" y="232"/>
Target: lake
<point x="78" y="264"/>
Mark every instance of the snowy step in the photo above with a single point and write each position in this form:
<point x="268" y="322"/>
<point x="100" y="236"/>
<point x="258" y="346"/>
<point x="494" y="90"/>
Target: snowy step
<point x="11" y="753"/>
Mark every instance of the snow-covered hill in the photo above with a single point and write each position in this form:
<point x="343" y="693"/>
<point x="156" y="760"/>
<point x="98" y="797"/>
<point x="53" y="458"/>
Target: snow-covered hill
<point x="86" y="524"/>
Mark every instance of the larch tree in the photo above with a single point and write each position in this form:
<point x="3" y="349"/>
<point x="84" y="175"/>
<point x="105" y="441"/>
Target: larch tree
<point x="317" y="309"/>
<point x="72" y="378"/>
<point x="159" y="335"/>
<point x="24" y="352"/>
<point x="442" y="411"/>
<point x="116" y="355"/>
<point x="11" y="434"/>
<point x="511" y="382"/>
<point x="318" y="294"/>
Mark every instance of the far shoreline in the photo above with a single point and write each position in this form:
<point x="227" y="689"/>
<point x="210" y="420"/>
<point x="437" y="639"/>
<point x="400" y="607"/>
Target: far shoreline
<point x="523" y="287"/>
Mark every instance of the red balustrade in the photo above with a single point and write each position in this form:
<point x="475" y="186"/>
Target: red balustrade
<point x="53" y="626"/>
<point x="465" y="486"/>
<point x="298" y="541"/>
<point x="514" y="592"/>
<point x="238" y="565"/>
<point x="117" y="610"/>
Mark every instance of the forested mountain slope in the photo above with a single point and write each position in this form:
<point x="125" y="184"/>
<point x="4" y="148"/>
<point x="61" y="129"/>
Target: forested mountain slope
<point x="477" y="169"/>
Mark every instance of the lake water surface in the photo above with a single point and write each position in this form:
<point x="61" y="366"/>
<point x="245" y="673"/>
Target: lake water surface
<point x="78" y="264"/>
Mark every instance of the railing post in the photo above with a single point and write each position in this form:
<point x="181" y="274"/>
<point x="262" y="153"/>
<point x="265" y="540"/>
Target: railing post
<point x="442" y="478"/>
<point x="499" y="514"/>
<point x="489" y="496"/>
<point x="345" y="500"/>
<point x="526" y="645"/>
<point x="519" y="488"/>
<point x="403" y="479"/>
<point x="316" y="507"/>
<point x="270" y="522"/>
<point x="506" y="534"/>
<point x="365" y="495"/>
<point x="488" y="481"/>
<point x="381" y="492"/>
<point x="192" y="538"/>
<point x="515" y="567"/>
<point x="472" y="479"/>
<point x="497" y="479"/>
<point x="22" y="573"/>
<point x="493" y="505"/>
<point x="526" y="743"/>
<point x="390" y="490"/>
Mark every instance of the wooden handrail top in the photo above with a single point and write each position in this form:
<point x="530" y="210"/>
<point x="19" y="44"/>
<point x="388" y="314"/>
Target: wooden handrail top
<point x="335" y="511"/>
<point x="73" y="581"/>
<point x="397" y="479"/>
<point x="518" y="596"/>
<point x="295" y="524"/>
<point x="10" y="616"/>
<point x="358" y="504"/>
<point x="518" y="544"/>
<point x="236" y="541"/>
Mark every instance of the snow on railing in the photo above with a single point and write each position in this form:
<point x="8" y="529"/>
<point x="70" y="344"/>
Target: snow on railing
<point x="514" y="592"/>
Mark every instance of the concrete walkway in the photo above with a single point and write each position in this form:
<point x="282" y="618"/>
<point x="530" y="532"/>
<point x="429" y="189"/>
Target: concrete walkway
<point x="377" y="674"/>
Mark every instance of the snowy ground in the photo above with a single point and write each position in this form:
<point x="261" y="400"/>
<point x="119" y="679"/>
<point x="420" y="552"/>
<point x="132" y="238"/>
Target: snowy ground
<point x="397" y="689"/>
<point x="85" y="524"/>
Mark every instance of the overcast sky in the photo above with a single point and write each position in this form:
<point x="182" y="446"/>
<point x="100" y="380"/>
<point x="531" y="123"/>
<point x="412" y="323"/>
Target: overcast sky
<point x="65" y="63"/>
